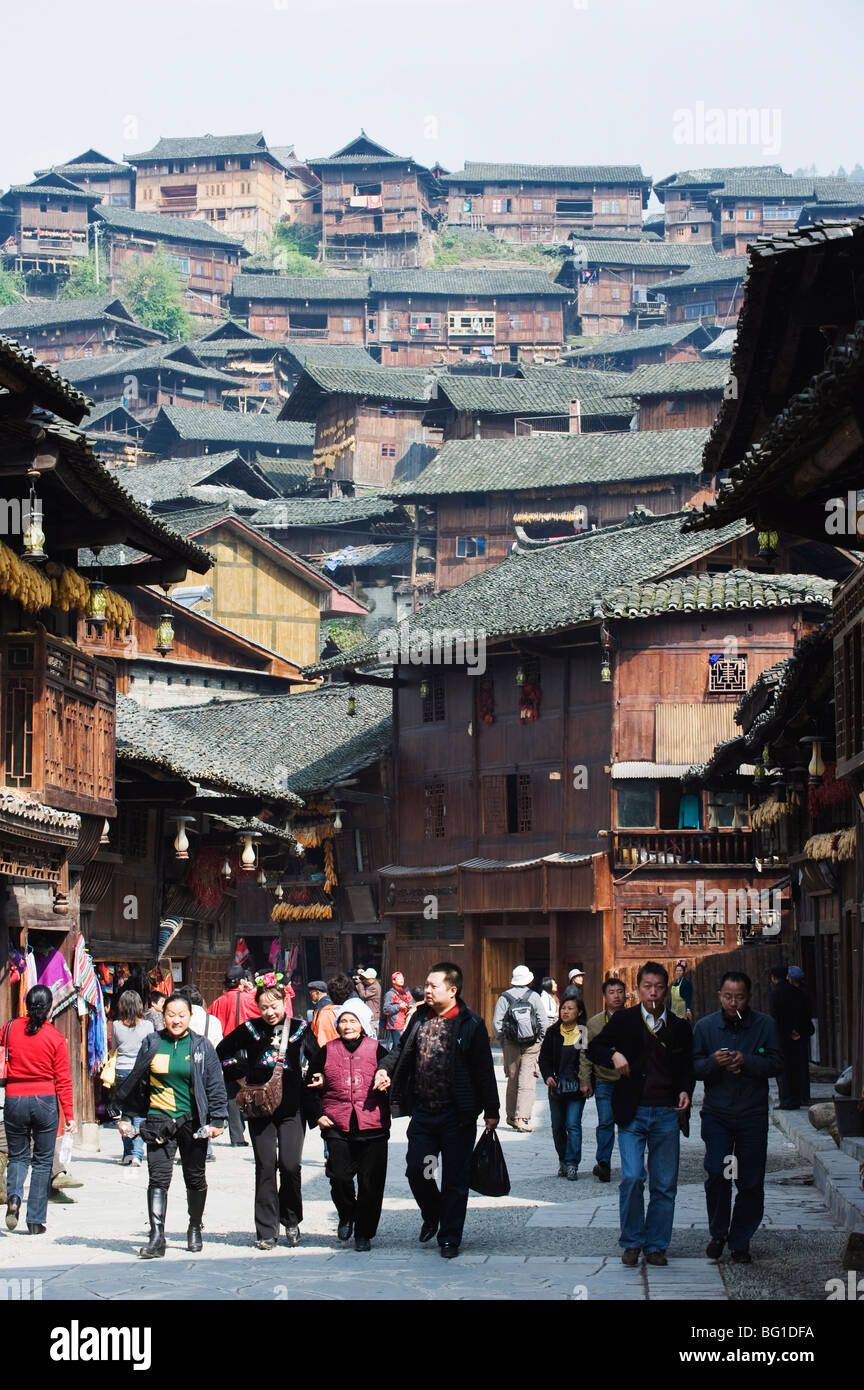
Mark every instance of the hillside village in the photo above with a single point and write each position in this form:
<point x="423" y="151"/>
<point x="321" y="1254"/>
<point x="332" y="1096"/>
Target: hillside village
<point x="269" y="408"/>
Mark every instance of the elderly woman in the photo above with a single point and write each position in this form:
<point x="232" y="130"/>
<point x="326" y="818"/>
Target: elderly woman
<point x="355" y="1121"/>
<point x="176" y="1083"/>
<point x="251" y="1053"/>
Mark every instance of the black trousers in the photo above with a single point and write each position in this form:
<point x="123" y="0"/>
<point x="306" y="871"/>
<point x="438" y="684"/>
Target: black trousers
<point x="278" y="1149"/>
<point x="365" y="1160"/>
<point x="735" y="1151"/>
<point x="448" y="1134"/>
<point x="193" y="1158"/>
<point x="789" y="1080"/>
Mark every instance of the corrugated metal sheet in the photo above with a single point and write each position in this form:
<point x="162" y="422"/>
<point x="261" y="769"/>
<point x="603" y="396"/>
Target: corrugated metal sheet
<point x="690" y="733"/>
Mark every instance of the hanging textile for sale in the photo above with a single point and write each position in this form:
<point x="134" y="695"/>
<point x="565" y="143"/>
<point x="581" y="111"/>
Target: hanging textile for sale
<point x="241" y="952"/>
<point x="17" y="966"/>
<point x="52" y="970"/>
<point x="28" y="980"/>
<point x="84" y="975"/>
<point x="90" y="996"/>
<point x="275" y="952"/>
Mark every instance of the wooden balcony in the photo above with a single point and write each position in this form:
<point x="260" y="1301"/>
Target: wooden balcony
<point x="307" y="332"/>
<point x="676" y="848"/>
<point x="57" y="710"/>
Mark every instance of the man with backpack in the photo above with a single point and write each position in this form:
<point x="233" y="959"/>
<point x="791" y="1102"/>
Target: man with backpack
<point x="519" y="1022"/>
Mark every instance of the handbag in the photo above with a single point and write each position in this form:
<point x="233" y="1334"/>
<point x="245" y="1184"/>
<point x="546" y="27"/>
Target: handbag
<point x="489" y="1174"/>
<point x="108" y="1074"/>
<point x="566" y="1085"/>
<point x="261" y="1101"/>
<point x="4" y="1054"/>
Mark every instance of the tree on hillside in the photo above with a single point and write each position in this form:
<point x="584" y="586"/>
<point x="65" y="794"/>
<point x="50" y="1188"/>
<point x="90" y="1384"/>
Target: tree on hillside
<point x="82" y="282"/>
<point x="155" y="295"/>
<point x="11" y="287"/>
<point x="294" y="249"/>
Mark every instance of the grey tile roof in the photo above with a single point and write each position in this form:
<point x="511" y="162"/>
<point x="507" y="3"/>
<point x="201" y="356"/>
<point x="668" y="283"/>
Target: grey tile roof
<point x="231" y="427"/>
<point x="554" y="587"/>
<point x="700" y="178"/>
<point x="554" y="461"/>
<point x="709" y="272"/>
<point x="650" y="253"/>
<point x="52" y="183"/>
<point x="89" y="162"/>
<point x="301" y="351"/>
<point x="203" y="147"/>
<point x="408" y="386"/>
<point x="676" y="378"/>
<point x="175" y="357"/>
<point x="544" y="391"/>
<point x="812" y="189"/>
<point x="722" y="345"/>
<point x="330" y="288"/>
<point x="101" y="412"/>
<point x="645" y="233"/>
<point x="219" y="348"/>
<point x="322" y="511"/>
<point x="548" y="173"/>
<point x="306" y="742"/>
<point x="44" y="313"/>
<point x="169" y="228"/>
<point x="466" y="281"/>
<point x="173" y="479"/>
<point x="288" y="475"/>
<point x="623" y="344"/>
<point x="161" y="739"/>
<point x="736" y="589"/>
<point x="386" y="554"/>
<point x="50" y="389"/>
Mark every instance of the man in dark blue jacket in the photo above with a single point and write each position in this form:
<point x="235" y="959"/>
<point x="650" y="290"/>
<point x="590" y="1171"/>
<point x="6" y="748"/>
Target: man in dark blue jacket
<point x="735" y="1050"/>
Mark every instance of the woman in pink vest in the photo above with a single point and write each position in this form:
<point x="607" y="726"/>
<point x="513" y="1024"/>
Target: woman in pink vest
<point x="355" y="1121"/>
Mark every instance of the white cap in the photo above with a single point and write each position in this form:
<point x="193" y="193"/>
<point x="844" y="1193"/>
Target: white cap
<point x="369" y="974"/>
<point x="575" y="972"/>
<point x="521" y="976"/>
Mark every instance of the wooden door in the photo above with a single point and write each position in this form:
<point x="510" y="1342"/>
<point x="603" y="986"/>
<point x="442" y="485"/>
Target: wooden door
<point x="500" y="957"/>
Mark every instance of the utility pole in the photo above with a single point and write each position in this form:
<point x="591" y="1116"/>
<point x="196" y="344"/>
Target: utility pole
<point x="96" y="248"/>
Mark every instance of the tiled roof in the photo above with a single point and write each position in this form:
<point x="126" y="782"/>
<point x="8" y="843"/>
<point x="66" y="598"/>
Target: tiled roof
<point x="651" y="253"/>
<point x="159" y="738"/>
<point x="288" y="475"/>
<point x="175" y="357"/>
<point x="555" y="587"/>
<point x="51" y="389"/>
<point x="232" y="427"/>
<point x="554" y="461"/>
<point x="304" y="742"/>
<point x="300" y="287"/>
<point x="168" y="227"/>
<point x="302" y="351"/>
<point x="737" y="589"/>
<point x="21" y="808"/>
<point x="463" y="280"/>
<point x="409" y="386"/>
<point x="322" y="511"/>
<point x="722" y="345"/>
<point x="203" y="147"/>
<point x="676" y="378"/>
<point x="645" y="233"/>
<point x="548" y="173"/>
<point x="544" y="391"/>
<point x="700" y="178"/>
<point x="622" y="344"/>
<point x="361" y="557"/>
<point x="220" y="347"/>
<point x="42" y="313"/>
<point x="101" y="412"/>
<point x="711" y="271"/>
<point x="813" y="189"/>
<point x="52" y="183"/>
<point x="173" y="479"/>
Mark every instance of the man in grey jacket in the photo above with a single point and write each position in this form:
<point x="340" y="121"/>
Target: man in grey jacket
<point x="519" y="1022"/>
<point x="735" y="1051"/>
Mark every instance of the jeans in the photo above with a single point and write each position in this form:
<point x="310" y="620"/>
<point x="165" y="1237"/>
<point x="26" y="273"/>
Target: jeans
<point x="521" y="1070"/>
<point x="365" y="1160"/>
<point x="235" y="1119"/>
<point x="565" y="1114"/>
<point x="134" y="1147"/>
<point x="31" y="1119"/>
<point x="657" y="1128"/>
<point x="605" y="1120"/>
<point x="391" y="1038"/>
<point x="746" y="1139"/>
<point x="449" y="1133"/>
<point x="278" y="1148"/>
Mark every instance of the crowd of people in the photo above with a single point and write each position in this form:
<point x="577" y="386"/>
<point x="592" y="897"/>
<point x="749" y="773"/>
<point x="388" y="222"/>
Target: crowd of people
<point x="183" y="1074"/>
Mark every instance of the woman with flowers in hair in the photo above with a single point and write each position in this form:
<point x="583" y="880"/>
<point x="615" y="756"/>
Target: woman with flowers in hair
<point x="251" y="1053"/>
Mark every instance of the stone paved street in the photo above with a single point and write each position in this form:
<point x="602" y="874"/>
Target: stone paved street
<point x="549" y="1239"/>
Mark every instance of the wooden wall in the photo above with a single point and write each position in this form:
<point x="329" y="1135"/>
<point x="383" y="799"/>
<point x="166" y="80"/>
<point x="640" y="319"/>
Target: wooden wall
<point x="696" y="410"/>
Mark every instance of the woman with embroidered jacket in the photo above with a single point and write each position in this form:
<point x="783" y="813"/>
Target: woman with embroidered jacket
<point x="250" y="1053"/>
<point x="354" y="1119"/>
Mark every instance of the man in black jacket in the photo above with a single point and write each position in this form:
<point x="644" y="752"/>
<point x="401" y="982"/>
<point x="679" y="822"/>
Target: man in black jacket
<point x="442" y="1076"/>
<point x="652" y="1051"/>
<point x="790" y="1009"/>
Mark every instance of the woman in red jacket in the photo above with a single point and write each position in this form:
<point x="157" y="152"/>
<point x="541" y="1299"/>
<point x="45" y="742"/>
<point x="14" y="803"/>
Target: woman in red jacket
<point x="39" y="1083"/>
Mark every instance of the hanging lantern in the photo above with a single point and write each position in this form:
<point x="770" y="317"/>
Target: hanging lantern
<point x="181" y="839"/>
<point x="605" y="669"/>
<point x="337" y="819"/>
<point x="261" y="879"/>
<point x="767" y="542"/>
<point x="352" y="705"/>
<point x="33" y="535"/>
<point x="165" y="635"/>
<point x="520" y="674"/>
<point x="226" y="869"/>
<point x="249" y="852"/>
<point x="97" y="603"/>
<point x="424" y="689"/>
<point x="279" y="892"/>
<point x="106" y="833"/>
<point x="816" y="766"/>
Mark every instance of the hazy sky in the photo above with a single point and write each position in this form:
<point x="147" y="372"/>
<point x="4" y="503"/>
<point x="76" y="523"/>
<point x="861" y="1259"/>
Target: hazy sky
<point x="539" y="81"/>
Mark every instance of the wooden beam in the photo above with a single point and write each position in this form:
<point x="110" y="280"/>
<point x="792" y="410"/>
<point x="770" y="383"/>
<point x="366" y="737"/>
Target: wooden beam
<point x="145" y="572"/>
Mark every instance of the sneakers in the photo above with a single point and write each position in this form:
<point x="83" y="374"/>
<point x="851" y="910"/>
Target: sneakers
<point x="13" y="1207"/>
<point x="572" y="1172"/>
<point x="269" y="1244"/>
<point x="602" y="1171"/>
<point x="292" y="1235"/>
<point x="655" y="1257"/>
<point x="714" y="1249"/>
<point x="562" y="1170"/>
<point x="630" y="1258"/>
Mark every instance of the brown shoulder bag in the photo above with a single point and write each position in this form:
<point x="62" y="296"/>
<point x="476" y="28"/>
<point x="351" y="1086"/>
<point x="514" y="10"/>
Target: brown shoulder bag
<point x="261" y="1101"/>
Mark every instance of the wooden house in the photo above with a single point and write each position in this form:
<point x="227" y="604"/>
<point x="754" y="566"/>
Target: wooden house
<point x="115" y="432"/>
<point x="551" y="485"/>
<point x="113" y="180"/>
<point x="76" y="329"/>
<point x="254" y="361"/>
<point x="747" y="206"/>
<point x="544" y="400"/>
<point x="302" y="189"/>
<point x="204" y="256"/>
<point x="624" y="352"/>
<point x="687" y="216"/>
<point x="233" y="181"/>
<point x="152" y="377"/>
<point x="545" y="202"/>
<point x="294" y="353"/>
<point x="378" y="208"/>
<point x="177" y="484"/>
<point x="678" y="395"/>
<point x="710" y="293"/>
<point x="57" y="701"/>
<point x="539" y="812"/>
<point x="330" y="309"/>
<point x="44" y="229"/>
<point x="180" y="431"/>
<point x="614" y="282"/>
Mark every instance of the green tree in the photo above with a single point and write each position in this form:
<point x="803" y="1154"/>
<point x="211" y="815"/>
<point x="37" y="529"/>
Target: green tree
<point x="294" y="249"/>
<point x="11" y="287"/>
<point x="82" y="282"/>
<point x="155" y="294"/>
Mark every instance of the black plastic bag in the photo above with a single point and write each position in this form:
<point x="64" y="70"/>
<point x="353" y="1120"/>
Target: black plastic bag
<point x="489" y="1174"/>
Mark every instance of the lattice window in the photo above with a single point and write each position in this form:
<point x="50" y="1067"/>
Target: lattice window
<point x="727" y="675"/>
<point x="702" y="929"/>
<point x="435" y="811"/>
<point x="494" y="801"/>
<point x="433" y="705"/>
<point x="524" y="805"/>
<point x="18" y="732"/>
<point x="645" y="927"/>
<point x="131" y="833"/>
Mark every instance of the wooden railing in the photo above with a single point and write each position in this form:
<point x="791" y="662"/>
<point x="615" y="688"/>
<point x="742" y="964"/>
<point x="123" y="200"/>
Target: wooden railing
<point x="674" y="848"/>
<point x="308" y="332"/>
<point x="57" y="724"/>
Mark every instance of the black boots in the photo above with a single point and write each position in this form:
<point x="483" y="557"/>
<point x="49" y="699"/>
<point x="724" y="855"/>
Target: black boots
<point x="195" y="1202"/>
<point x="157" y="1204"/>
